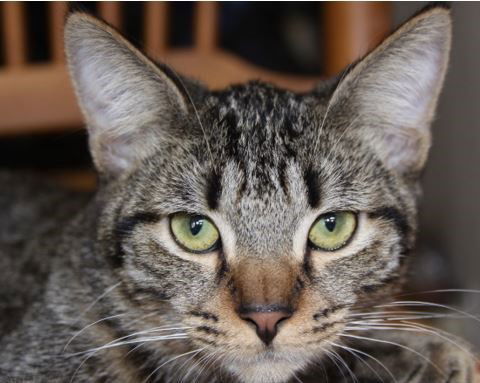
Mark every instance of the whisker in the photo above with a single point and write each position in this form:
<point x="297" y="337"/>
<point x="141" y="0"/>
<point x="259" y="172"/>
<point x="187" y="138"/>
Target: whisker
<point x="142" y="317"/>
<point x="197" y="115"/>
<point x="297" y="378"/>
<point x="391" y="315"/>
<point x="185" y="362"/>
<point x="333" y="148"/>
<point x="127" y="342"/>
<point x="94" y="351"/>
<point x="116" y="341"/>
<point x="171" y="360"/>
<point x="88" y="326"/>
<point x="467" y="291"/>
<point x="323" y="367"/>
<point x="221" y="354"/>
<point x="195" y="363"/>
<point x="106" y="292"/>
<point x="398" y="345"/>
<point x="207" y="359"/>
<point x="422" y="328"/>
<point x="322" y="125"/>
<point x="333" y="359"/>
<point x="134" y="349"/>
<point x="354" y="352"/>
<point x="154" y="329"/>
<point x="341" y="360"/>
<point x="374" y="313"/>
<point x="429" y="304"/>
<point x="324" y="371"/>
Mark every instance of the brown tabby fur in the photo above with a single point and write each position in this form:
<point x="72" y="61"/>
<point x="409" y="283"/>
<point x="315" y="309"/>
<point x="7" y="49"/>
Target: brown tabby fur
<point x="95" y="289"/>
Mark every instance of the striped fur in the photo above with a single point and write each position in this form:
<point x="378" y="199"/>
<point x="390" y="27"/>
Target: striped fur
<point x="263" y="163"/>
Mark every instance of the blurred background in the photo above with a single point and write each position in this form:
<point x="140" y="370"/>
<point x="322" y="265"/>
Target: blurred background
<point x="293" y="44"/>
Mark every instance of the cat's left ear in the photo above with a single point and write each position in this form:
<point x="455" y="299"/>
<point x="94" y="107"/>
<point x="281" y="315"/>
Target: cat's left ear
<point x="393" y="91"/>
<point x="128" y="102"/>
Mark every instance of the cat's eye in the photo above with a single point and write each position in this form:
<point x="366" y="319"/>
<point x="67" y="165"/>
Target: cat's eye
<point x="195" y="233"/>
<point x="331" y="231"/>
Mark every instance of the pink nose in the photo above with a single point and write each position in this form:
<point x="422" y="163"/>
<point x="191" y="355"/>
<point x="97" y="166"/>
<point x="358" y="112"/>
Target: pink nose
<point x="266" y="322"/>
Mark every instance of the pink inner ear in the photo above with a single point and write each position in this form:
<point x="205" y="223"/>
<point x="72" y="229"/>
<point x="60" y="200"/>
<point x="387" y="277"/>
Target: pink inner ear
<point x="403" y="152"/>
<point x="127" y="101"/>
<point x="395" y="90"/>
<point x="119" y="154"/>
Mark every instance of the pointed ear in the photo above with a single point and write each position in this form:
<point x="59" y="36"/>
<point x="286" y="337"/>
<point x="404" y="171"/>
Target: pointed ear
<point x="392" y="92"/>
<point x="128" y="101"/>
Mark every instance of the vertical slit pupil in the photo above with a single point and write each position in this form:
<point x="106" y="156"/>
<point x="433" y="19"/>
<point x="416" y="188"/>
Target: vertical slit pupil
<point x="196" y="224"/>
<point x="330" y="222"/>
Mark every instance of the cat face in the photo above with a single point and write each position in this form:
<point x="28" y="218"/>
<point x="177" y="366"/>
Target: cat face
<point x="254" y="218"/>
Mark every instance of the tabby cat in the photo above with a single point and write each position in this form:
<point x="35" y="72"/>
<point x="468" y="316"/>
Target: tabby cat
<point x="245" y="235"/>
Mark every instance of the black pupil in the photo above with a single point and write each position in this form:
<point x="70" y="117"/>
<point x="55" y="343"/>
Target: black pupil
<point x="330" y="222"/>
<point x="196" y="224"/>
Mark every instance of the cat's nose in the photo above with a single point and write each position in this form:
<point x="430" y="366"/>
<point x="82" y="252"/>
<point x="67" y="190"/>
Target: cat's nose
<point x="266" y="320"/>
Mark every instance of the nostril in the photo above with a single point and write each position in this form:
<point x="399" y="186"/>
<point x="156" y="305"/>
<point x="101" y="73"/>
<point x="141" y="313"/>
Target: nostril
<point x="265" y="320"/>
<point x="284" y="318"/>
<point x="249" y="321"/>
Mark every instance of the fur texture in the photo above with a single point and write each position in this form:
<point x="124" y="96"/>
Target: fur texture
<point x="116" y="299"/>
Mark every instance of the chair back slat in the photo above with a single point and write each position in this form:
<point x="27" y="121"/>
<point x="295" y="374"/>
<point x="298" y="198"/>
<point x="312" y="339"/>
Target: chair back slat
<point x="352" y="29"/>
<point x="14" y="32"/>
<point x="156" y="27"/>
<point x="206" y="26"/>
<point x="110" y="11"/>
<point x="57" y="10"/>
<point x="38" y="96"/>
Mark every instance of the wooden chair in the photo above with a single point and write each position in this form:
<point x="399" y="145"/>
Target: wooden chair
<point x="37" y="98"/>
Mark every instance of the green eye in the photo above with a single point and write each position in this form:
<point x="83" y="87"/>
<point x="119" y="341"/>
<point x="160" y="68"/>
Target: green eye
<point x="195" y="233"/>
<point x="332" y="231"/>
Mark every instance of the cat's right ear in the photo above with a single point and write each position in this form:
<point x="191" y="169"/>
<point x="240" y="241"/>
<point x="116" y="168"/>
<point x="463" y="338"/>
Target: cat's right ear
<point x="128" y="101"/>
<point x="389" y="97"/>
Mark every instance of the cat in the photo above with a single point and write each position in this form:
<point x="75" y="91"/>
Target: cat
<point x="243" y="235"/>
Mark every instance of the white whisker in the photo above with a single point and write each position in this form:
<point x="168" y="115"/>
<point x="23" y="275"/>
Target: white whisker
<point x="322" y="125"/>
<point x="169" y="361"/>
<point x="341" y="360"/>
<point x="429" y="304"/>
<point x="111" y="344"/>
<point x="405" y="315"/>
<point x="408" y="326"/>
<point x="133" y="341"/>
<point x="329" y="355"/>
<point x="197" y="115"/>
<point x="354" y="352"/>
<point x="206" y="359"/>
<point x="88" y="326"/>
<point x="297" y="378"/>
<point x="395" y="344"/>
<point x="467" y="291"/>
<point x="106" y="292"/>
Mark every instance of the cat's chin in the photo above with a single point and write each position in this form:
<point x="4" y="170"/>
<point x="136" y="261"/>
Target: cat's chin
<point x="268" y="367"/>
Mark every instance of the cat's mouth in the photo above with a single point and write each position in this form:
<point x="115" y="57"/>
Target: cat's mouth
<point x="270" y="365"/>
<point x="277" y="362"/>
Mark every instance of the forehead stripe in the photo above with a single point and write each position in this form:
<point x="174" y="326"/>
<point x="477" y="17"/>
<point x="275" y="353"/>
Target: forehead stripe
<point x="214" y="190"/>
<point x="313" y="186"/>
<point x="124" y="227"/>
<point x="392" y="214"/>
